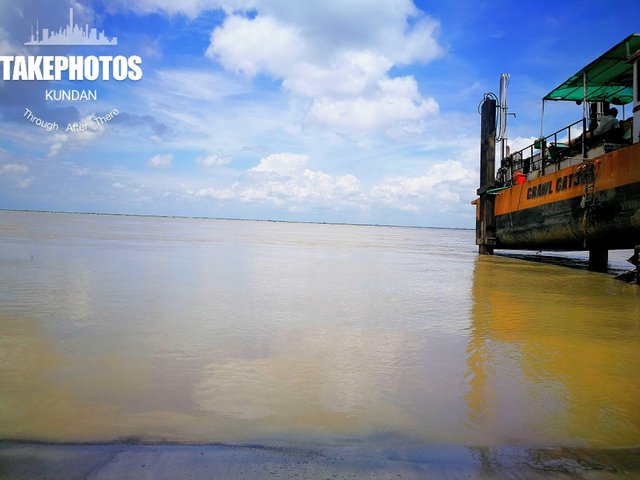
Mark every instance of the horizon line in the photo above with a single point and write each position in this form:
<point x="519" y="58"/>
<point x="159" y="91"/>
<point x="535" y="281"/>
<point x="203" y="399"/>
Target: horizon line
<point x="235" y="219"/>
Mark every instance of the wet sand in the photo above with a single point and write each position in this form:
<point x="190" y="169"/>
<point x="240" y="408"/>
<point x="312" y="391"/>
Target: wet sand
<point x="23" y="460"/>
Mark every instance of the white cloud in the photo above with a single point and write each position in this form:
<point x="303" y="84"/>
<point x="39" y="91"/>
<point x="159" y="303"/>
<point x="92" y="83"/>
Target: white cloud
<point x="518" y="143"/>
<point x="395" y="29"/>
<point x="285" y="164"/>
<point x="283" y="180"/>
<point x="16" y="171"/>
<point x="7" y="47"/>
<point x="290" y="42"/>
<point x="213" y="160"/>
<point x="25" y="183"/>
<point x="380" y="112"/>
<point x="150" y="49"/>
<point x="224" y="194"/>
<point x="190" y="8"/>
<point x="418" y="44"/>
<point x="160" y="160"/>
<point x="440" y="188"/>
<point x="309" y="189"/>
<point x="338" y="54"/>
<point x="10" y="168"/>
<point x="62" y="140"/>
<point x="350" y="73"/>
<point x="253" y="45"/>
<point x="198" y="85"/>
<point x="77" y="171"/>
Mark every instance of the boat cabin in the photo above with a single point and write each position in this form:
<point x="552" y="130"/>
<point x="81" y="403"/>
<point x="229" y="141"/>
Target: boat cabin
<point x="610" y="82"/>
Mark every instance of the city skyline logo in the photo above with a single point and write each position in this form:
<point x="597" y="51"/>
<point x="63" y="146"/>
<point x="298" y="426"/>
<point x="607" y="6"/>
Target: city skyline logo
<point x="71" y="34"/>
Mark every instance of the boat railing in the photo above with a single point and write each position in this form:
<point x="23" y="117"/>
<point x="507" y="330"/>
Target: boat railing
<point x="545" y="150"/>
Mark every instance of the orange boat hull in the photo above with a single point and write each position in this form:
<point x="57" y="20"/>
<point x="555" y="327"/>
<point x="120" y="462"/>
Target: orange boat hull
<point x="595" y="204"/>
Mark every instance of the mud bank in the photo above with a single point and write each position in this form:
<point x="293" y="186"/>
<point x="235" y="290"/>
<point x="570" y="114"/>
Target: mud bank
<point x="22" y="460"/>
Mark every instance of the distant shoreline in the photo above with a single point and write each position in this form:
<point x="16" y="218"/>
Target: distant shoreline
<point x="145" y="215"/>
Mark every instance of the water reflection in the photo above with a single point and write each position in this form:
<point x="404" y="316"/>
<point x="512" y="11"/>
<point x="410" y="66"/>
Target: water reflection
<point x="553" y="356"/>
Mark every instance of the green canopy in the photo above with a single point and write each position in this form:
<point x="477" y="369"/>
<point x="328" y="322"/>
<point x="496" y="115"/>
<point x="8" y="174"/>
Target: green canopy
<point x="609" y="78"/>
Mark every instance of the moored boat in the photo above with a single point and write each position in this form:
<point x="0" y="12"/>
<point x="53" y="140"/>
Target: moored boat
<point x="574" y="189"/>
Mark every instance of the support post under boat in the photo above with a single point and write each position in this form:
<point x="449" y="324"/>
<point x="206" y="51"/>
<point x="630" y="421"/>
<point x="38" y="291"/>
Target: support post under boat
<point x="598" y="260"/>
<point x="635" y="260"/>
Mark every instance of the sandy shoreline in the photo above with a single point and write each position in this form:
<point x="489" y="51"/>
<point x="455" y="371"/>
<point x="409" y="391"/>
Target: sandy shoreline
<point x="26" y="460"/>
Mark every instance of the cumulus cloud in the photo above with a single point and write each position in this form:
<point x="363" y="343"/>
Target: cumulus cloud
<point x="348" y="74"/>
<point x="311" y="188"/>
<point x="338" y="54"/>
<point x="395" y="29"/>
<point x="160" y="160"/>
<point x="253" y="45"/>
<point x="283" y="180"/>
<point x="518" y="143"/>
<point x="441" y="188"/>
<point x="213" y="160"/>
<point x="284" y="164"/>
<point x="397" y="100"/>
<point x="335" y="59"/>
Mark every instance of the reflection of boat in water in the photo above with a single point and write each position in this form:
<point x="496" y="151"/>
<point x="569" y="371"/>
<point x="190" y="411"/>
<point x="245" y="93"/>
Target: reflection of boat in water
<point x="577" y="188"/>
<point x="552" y="372"/>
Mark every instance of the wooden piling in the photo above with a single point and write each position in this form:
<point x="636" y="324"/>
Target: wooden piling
<point x="598" y="260"/>
<point x="485" y="223"/>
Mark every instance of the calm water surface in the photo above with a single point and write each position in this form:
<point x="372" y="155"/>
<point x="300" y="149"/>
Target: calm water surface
<point x="235" y="331"/>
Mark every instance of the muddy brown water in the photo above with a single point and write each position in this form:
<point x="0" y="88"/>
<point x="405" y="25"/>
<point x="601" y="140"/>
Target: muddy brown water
<point x="215" y="331"/>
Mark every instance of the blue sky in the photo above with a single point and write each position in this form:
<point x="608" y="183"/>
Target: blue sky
<point x="356" y="111"/>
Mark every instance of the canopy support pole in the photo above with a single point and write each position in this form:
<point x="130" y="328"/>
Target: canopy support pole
<point x="542" y="121"/>
<point x="636" y="100"/>
<point x="584" y="114"/>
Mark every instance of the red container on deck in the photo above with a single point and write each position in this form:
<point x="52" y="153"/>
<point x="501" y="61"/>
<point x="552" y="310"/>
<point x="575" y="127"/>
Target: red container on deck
<point x="519" y="177"/>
